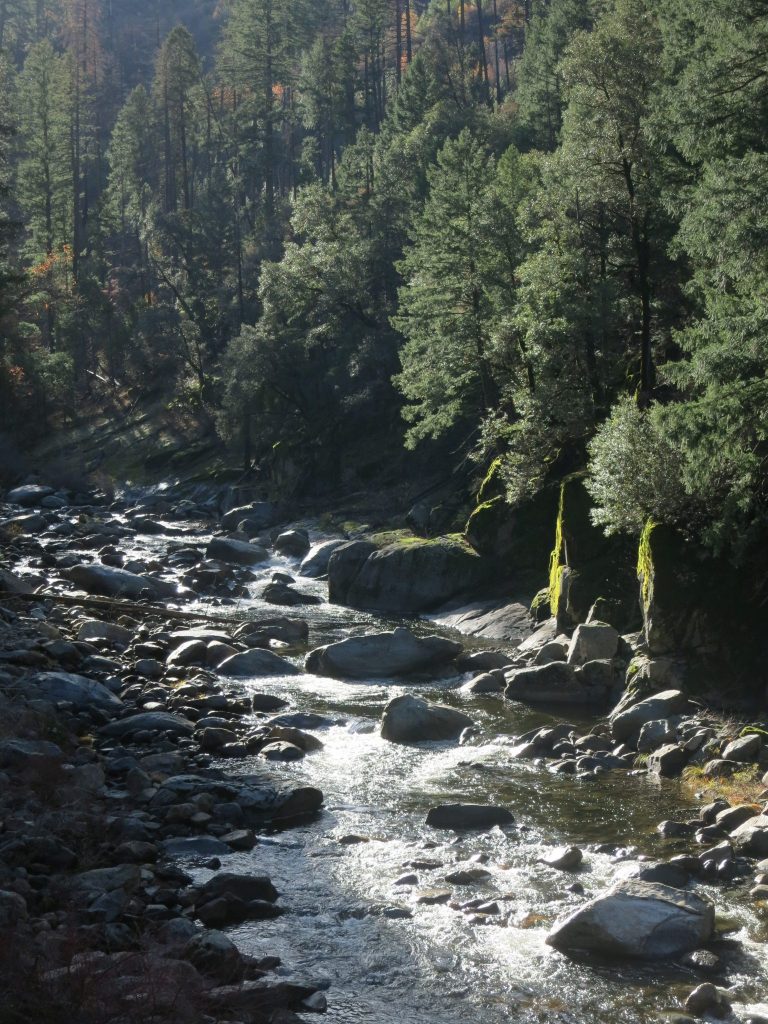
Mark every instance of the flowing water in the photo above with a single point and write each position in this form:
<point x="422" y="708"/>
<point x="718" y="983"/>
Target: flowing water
<point x="345" y="922"/>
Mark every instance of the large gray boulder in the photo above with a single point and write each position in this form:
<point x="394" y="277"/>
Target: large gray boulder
<point x="112" y="582"/>
<point x="492" y="620"/>
<point x="315" y="563"/>
<point x="236" y="552"/>
<point x="149" y="721"/>
<point x="752" y="836"/>
<point x="344" y="565"/>
<point x="257" y="662"/>
<point x="409" y="719"/>
<point x="627" y="722"/>
<point x="381" y="655"/>
<point x="637" y="919"/>
<point x="593" y="641"/>
<point x="411" y="578"/>
<point x="555" y="683"/>
<point x="95" y="629"/>
<point x="29" y="495"/>
<point x="83" y="693"/>
<point x="14" y="584"/>
<point x="262" y="514"/>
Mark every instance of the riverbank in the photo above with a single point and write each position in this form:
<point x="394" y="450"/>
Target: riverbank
<point x="370" y="914"/>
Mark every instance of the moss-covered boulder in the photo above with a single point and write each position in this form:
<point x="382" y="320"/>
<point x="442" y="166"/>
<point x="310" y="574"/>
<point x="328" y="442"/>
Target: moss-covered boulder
<point x="407" y="576"/>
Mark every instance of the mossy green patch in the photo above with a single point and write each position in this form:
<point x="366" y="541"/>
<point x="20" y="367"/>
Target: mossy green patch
<point x="558" y="556"/>
<point x="645" y="570"/>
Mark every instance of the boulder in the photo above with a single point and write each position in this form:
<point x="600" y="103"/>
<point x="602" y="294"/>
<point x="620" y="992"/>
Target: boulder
<point x="474" y="817"/>
<point x="262" y="514"/>
<point x="488" y="682"/>
<point x="380" y="655"/>
<point x="257" y="662"/>
<point x="594" y="641"/>
<point x="195" y="846"/>
<point x="283" y="594"/>
<point x="315" y="563"/>
<point x="294" y="543"/>
<point x="344" y="565"/>
<point x="280" y="750"/>
<point x="751" y="838"/>
<point x="668" y="760"/>
<point x="111" y="582"/>
<point x="81" y="692"/>
<point x="565" y="858"/>
<point x="637" y="919"/>
<point x="656" y="734"/>
<point x="215" y="956"/>
<point x="94" y="629"/>
<point x="149" y="721"/>
<point x="28" y="496"/>
<point x="191" y="652"/>
<point x="409" y="719"/>
<point x="745" y="748"/>
<point x="412" y="578"/>
<point x="243" y="887"/>
<point x="236" y="552"/>
<point x="555" y="683"/>
<point x="13" y="910"/>
<point x="626" y="722"/>
<point x="492" y="620"/>
<point x="13" y="584"/>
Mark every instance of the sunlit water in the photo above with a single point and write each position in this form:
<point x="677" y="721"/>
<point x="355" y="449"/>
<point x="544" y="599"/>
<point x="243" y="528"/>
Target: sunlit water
<point x="437" y="967"/>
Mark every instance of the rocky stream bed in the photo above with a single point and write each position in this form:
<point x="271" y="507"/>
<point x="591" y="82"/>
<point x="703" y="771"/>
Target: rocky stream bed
<point x="224" y="798"/>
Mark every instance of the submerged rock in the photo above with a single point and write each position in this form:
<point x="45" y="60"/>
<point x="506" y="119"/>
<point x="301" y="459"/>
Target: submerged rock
<point x="382" y="654"/>
<point x="475" y="817"/>
<point x="409" y="719"/>
<point x="637" y="919"/>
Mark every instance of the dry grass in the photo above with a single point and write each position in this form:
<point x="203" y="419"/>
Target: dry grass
<point x="743" y="787"/>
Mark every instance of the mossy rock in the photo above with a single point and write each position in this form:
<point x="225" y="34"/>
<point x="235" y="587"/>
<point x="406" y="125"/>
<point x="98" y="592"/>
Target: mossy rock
<point x="516" y="537"/>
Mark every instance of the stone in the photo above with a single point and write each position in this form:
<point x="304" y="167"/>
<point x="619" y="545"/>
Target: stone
<point x="467" y="876"/>
<point x="730" y="818"/>
<point x="668" y="760"/>
<point x="474" y="817"/>
<point x="555" y="683"/>
<point x="656" y="734"/>
<point x="191" y="652"/>
<point x="409" y="719"/>
<point x="637" y="919"/>
<point x="149" y="721"/>
<point x="485" y="683"/>
<point x="262" y="514"/>
<point x="111" y="582"/>
<point x="751" y="838"/>
<point x="215" y="956"/>
<point x="83" y="693"/>
<point x="433" y="897"/>
<point x="13" y="584"/>
<point x="294" y="543"/>
<point x="21" y="754"/>
<point x="123" y="876"/>
<point x="243" y="887"/>
<point x="229" y="910"/>
<point x="344" y="565"/>
<point x="289" y="597"/>
<point x="236" y="552"/>
<point x="214" y="738"/>
<point x="195" y="846"/>
<point x="13" y="909"/>
<point x="29" y="495"/>
<point x="594" y="641"/>
<point x="257" y="662"/>
<point x="415" y="577"/>
<point x="94" y="629"/>
<point x="565" y="858"/>
<point x="267" y="702"/>
<point x="627" y="722"/>
<point x="745" y="748"/>
<point x="707" y="999"/>
<point x="380" y="655"/>
<point x="492" y="620"/>
<point x="315" y="563"/>
<point x="719" y="769"/>
<point x="279" y="750"/>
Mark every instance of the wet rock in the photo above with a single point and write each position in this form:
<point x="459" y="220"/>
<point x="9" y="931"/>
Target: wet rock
<point x="262" y="514"/>
<point x="565" y="858"/>
<point x="706" y="999"/>
<point x="236" y="552"/>
<point x="213" y="739"/>
<point x="240" y="839"/>
<point x="112" y="582"/>
<point x="344" y="565"/>
<point x="482" y="661"/>
<point x="149" y="668"/>
<point x="283" y="594"/>
<point x="257" y="999"/>
<point x="149" y="721"/>
<point x="243" y="887"/>
<point x="282" y="751"/>
<point x="703" y="961"/>
<point x="226" y="910"/>
<point x="407" y="879"/>
<point x="195" y="846"/>
<point x="730" y="818"/>
<point x="14" y="584"/>
<point x="81" y="692"/>
<point x="257" y="662"/>
<point x="13" y="909"/>
<point x="379" y="655"/>
<point x="594" y="641"/>
<point x="432" y="897"/>
<point x="29" y="495"/>
<point x="637" y="919"/>
<point x="191" y="652"/>
<point x="294" y="543"/>
<point x="22" y="754"/>
<point x="215" y="956"/>
<point x="94" y="629"/>
<point x="303" y="740"/>
<point x="409" y="719"/>
<point x="468" y="876"/>
<point x="315" y="564"/>
<point x="674" y="875"/>
<point x="267" y="702"/>
<point x="627" y="723"/>
<point x="474" y="817"/>
<point x="485" y="683"/>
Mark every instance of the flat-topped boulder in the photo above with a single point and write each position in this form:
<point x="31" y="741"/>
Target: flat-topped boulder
<point x="410" y="719"/>
<point x="637" y="919"/>
<point x="29" y="495"/>
<point x="627" y="722"/>
<point x="108" y="581"/>
<point x="379" y="655"/>
<point x="236" y="552"/>
<point x="555" y="683"/>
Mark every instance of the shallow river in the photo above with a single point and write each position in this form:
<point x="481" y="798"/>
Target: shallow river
<point x="436" y="967"/>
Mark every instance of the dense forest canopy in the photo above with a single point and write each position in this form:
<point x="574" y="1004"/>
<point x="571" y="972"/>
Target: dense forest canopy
<point x="529" y="232"/>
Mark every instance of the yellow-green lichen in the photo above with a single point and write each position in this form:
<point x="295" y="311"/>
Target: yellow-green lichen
<point x="558" y="557"/>
<point x="489" y="481"/>
<point x="645" y="564"/>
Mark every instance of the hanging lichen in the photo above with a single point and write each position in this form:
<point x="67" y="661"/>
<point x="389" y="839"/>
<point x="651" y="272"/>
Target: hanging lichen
<point x="558" y="556"/>
<point x="645" y="565"/>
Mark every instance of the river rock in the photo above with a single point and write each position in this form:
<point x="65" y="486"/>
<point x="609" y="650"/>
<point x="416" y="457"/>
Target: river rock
<point x="294" y="543"/>
<point x="214" y="955"/>
<point x="94" y="629"/>
<point x="474" y="817"/>
<point x="29" y="495"/>
<point x="149" y="721"/>
<point x="344" y="565"/>
<point x="14" y="584"/>
<point x="195" y="846"/>
<point x="379" y="655"/>
<point x="111" y="582"/>
<point x="708" y="999"/>
<point x="745" y="748"/>
<point x="415" y="577"/>
<point x="262" y="514"/>
<point x="280" y="750"/>
<point x="409" y="719"/>
<point x="267" y="702"/>
<point x="492" y="620"/>
<point x="668" y="760"/>
<point x="81" y="692"/>
<point x="236" y="552"/>
<point x="555" y="683"/>
<point x="628" y="722"/>
<point x="752" y="837"/>
<point x="244" y="887"/>
<point x="488" y="682"/>
<point x="637" y="919"/>
<point x="656" y="734"/>
<point x="565" y="858"/>
<point x="730" y="818"/>
<point x="315" y="564"/>
<point x="257" y="662"/>
<point x="593" y="641"/>
<point x="287" y="596"/>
